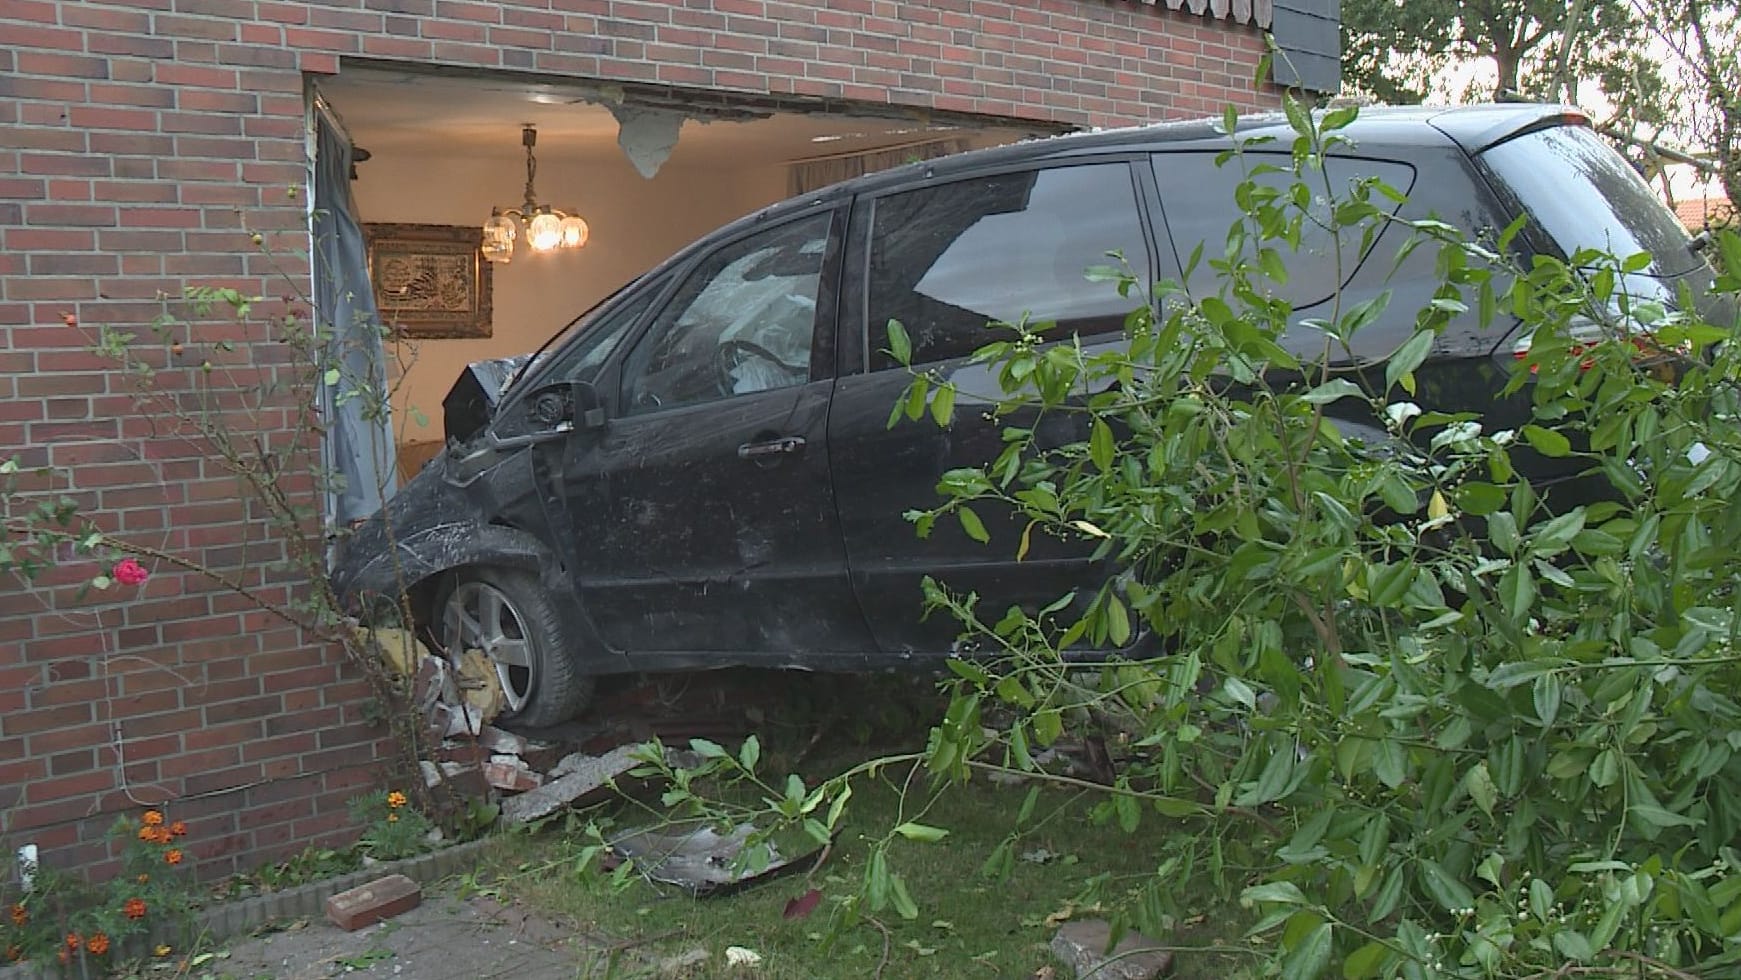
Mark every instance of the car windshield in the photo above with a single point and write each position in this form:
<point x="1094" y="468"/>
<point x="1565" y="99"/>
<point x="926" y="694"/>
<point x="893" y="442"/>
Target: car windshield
<point x="1586" y="195"/>
<point x="561" y="338"/>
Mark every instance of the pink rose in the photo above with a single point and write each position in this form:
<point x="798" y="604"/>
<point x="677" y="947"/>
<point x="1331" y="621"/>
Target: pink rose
<point x="129" y="572"/>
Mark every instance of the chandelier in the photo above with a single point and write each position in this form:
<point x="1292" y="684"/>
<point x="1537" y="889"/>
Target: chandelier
<point x="547" y="228"/>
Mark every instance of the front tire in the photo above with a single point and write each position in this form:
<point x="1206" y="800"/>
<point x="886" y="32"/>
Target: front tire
<point x="508" y="616"/>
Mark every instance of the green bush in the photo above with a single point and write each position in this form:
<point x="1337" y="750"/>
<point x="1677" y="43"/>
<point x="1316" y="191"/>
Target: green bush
<point x="1411" y="718"/>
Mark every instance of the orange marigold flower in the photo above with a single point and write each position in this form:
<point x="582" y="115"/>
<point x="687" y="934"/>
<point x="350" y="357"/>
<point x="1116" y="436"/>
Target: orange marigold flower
<point x="65" y="957"/>
<point x="178" y="829"/>
<point x="172" y="857"/>
<point x="20" y="914"/>
<point x="160" y="835"/>
<point x="98" y="944"/>
<point x="396" y="799"/>
<point x="147" y="833"/>
<point x="152" y="818"/>
<point x="392" y="818"/>
<point x="73" y="941"/>
<point x="134" y="908"/>
<point x="143" y="879"/>
<point x="14" y="954"/>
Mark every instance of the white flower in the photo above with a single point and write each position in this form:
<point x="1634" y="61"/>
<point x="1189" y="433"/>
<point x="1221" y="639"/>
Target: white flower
<point x="1399" y="413"/>
<point x="741" y="956"/>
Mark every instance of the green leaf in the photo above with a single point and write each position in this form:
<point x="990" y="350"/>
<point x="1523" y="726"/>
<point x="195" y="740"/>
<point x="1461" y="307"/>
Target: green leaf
<point x="921" y="832"/>
<point x="1546" y="441"/>
<point x="1117" y="622"/>
<point x="1479" y="783"/>
<point x="1365" y="962"/>
<point x="1573" y="946"/>
<point x="1411" y="355"/>
<point x="903" y="902"/>
<point x="1100" y="445"/>
<point x="943" y="405"/>
<point x="1283" y="892"/>
<point x="708" y="749"/>
<point x="1546" y="695"/>
<point x="1332" y="390"/>
<point x="971" y="524"/>
<point x="900" y="345"/>
<point x="1240" y="691"/>
<point x="750" y="753"/>
<point x="1656" y="816"/>
<point x="1388" y="763"/>
<point x="1450" y="893"/>
<point x="1308" y="960"/>
<point x="1541" y="900"/>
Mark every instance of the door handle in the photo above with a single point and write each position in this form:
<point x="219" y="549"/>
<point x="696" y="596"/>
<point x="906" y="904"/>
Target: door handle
<point x="773" y="447"/>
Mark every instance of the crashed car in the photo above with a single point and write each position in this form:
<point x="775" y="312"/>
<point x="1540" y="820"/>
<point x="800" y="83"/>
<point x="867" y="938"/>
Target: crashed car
<point x="698" y="472"/>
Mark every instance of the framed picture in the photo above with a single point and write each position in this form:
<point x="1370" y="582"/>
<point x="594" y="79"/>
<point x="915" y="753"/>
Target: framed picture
<point x="431" y="281"/>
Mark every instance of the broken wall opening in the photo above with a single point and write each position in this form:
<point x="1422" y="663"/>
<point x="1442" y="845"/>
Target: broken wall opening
<point x="649" y="171"/>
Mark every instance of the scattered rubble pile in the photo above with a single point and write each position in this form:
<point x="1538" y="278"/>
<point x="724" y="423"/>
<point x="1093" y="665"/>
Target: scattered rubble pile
<point x="537" y="774"/>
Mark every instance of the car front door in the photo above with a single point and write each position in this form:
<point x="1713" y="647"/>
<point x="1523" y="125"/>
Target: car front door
<point x="946" y="260"/>
<point x="704" y="509"/>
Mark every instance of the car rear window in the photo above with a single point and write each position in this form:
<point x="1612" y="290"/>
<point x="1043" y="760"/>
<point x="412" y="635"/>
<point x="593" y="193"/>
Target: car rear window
<point x="1585" y="195"/>
<point x="1198" y="199"/>
<point x="949" y="260"/>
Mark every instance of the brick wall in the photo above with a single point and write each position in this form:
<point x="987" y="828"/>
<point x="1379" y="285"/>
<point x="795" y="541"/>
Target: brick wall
<point x="143" y="141"/>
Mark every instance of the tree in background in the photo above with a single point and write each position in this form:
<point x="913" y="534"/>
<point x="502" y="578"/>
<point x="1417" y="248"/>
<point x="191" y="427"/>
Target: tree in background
<point x="1667" y="71"/>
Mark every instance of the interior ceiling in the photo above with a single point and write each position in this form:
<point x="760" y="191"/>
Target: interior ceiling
<point x="387" y="111"/>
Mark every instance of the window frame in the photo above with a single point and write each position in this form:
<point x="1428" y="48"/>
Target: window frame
<point x="1279" y="158"/>
<point x="857" y="358"/>
<point x="825" y="330"/>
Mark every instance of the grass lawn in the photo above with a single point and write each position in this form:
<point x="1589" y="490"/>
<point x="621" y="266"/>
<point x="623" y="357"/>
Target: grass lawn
<point x="970" y="923"/>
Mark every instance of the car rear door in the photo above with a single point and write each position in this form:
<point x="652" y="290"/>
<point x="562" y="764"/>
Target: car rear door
<point x="704" y="507"/>
<point x="946" y="259"/>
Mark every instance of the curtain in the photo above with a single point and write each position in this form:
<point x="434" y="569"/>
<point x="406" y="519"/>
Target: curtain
<point x="808" y="175"/>
<point x="359" y="449"/>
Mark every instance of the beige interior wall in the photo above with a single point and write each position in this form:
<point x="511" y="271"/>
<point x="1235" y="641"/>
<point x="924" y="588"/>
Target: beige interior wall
<point x="636" y="223"/>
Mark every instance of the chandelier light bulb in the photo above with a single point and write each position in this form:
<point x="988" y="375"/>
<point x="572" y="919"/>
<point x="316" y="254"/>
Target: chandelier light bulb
<point x="545" y="232"/>
<point x="574" y="231"/>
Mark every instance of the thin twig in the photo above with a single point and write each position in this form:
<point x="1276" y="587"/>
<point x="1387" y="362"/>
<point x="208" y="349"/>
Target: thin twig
<point x="888" y="939"/>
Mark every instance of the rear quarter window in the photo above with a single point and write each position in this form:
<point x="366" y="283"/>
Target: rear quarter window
<point x="949" y="260"/>
<point x="1197" y="198"/>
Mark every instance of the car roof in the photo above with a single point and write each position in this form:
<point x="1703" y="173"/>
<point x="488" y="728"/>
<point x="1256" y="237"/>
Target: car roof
<point x="1472" y="127"/>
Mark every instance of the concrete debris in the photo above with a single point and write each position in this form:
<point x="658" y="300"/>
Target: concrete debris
<point x="511" y="775"/>
<point x="505" y="743"/>
<point x="532" y="775"/>
<point x="685" y="964"/>
<point x="1082" y="946"/>
<point x="741" y="956"/>
<point x="584" y="780"/>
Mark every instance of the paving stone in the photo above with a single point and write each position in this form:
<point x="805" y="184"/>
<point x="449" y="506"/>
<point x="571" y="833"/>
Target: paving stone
<point x="1081" y="945"/>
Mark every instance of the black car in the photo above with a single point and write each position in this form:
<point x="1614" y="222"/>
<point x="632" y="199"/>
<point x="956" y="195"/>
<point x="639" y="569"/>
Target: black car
<point x="698" y="472"/>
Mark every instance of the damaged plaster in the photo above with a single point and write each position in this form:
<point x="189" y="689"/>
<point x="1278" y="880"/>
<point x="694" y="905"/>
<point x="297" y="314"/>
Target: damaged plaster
<point x="647" y="135"/>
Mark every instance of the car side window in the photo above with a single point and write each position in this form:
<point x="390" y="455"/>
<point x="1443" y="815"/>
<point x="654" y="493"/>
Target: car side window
<point x="948" y="261"/>
<point x="1197" y="198"/>
<point x="743" y="321"/>
<point x="581" y="360"/>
